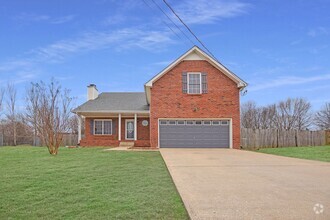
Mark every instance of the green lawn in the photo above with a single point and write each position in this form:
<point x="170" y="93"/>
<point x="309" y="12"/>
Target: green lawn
<point x="86" y="184"/>
<point x="321" y="153"/>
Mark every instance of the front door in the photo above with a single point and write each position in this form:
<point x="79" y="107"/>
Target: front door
<point x="129" y="131"/>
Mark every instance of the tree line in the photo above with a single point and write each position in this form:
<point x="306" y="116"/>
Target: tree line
<point x="290" y="114"/>
<point x="46" y="114"/>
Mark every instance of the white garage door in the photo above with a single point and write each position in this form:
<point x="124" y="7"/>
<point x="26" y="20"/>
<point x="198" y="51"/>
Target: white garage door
<point x="194" y="133"/>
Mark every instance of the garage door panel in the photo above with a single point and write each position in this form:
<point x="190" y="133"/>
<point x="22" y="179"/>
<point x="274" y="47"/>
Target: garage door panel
<point x="194" y="136"/>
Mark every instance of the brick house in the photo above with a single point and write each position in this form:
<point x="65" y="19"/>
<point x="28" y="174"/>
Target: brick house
<point x="193" y="102"/>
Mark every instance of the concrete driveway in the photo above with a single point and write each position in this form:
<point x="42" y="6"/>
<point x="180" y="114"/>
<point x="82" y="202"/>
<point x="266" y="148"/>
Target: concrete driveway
<point x="236" y="184"/>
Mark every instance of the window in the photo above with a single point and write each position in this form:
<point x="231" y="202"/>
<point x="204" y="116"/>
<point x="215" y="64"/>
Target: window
<point x="163" y="122"/>
<point x="171" y="122"/>
<point x="206" y="122"/>
<point x="190" y="122"/>
<point x="102" y="127"/>
<point x="194" y="83"/>
<point x="180" y="122"/>
<point x="224" y="123"/>
<point x="198" y="122"/>
<point x="215" y="122"/>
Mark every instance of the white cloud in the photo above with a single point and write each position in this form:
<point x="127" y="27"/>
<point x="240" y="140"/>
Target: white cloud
<point x="318" y="32"/>
<point x="30" y="17"/>
<point x="210" y="11"/>
<point x="119" y="40"/>
<point x="287" y="80"/>
<point x="63" y="19"/>
<point x="115" y="19"/>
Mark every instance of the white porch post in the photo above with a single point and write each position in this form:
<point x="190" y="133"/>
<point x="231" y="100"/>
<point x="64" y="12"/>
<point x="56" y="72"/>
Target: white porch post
<point x="79" y="129"/>
<point x="119" y="127"/>
<point x="135" y="126"/>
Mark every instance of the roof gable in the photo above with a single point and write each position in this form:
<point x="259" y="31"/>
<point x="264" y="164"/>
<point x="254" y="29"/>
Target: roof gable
<point x="195" y="53"/>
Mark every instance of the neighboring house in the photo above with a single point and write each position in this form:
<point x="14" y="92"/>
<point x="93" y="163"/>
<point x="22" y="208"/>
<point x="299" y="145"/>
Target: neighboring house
<point x="194" y="102"/>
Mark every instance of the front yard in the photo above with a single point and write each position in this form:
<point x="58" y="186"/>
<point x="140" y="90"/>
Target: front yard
<point x="321" y="153"/>
<point x="86" y="184"/>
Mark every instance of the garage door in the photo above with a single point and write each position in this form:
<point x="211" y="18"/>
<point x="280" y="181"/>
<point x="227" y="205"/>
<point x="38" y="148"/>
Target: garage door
<point x="194" y="133"/>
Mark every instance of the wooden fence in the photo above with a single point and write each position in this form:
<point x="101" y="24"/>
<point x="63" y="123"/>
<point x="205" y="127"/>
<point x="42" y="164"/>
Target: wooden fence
<point x="263" y="138"/>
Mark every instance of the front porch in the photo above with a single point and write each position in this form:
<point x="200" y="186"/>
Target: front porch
<point x="115" y="129"/>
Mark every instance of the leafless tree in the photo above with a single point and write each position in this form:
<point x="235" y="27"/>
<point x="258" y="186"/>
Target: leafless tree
<point x="32" y="100"/>
<point x="11" y="113"/>
<point x="249" y="114"/>
<point x="49" y="109"/>
<point x="294" y="114"/>
<point x="288" y="114"/>
<point x="322" y="117"/>
<point x="2" y="93"/>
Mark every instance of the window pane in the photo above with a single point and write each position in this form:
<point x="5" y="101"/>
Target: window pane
<point x="216" y="122"/>
<point x="163" y="122"/>
<point x="206" y="122"/>
<point x="98" y="127"/>
<point x="171" y="122"/>
<point x="107" y="127"/>
<point x="198" y="122"/>
<point x="190" y="122"/>
<point x="194" y="82"/>
<point x="181" y="122"/>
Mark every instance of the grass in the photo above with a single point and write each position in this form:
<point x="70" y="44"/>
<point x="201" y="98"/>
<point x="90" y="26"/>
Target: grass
<point x="86" y="183"/>
<point x="321" y="153"/>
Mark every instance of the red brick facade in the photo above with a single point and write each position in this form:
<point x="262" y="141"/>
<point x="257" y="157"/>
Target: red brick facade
<point x="168" y="100"/>
<point x="143" y="132"/>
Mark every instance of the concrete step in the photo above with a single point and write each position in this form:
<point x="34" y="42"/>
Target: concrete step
<point x="126" y="144"/>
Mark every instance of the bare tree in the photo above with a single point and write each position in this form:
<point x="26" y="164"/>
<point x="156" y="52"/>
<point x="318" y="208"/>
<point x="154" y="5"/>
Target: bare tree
<point x="11" y="110"/>
<point x="32" y="100"/>
<point x="322" y="117"/>
<point x="288" y="114"/>
<point x="49" y="109"/>
<point x="2" y="93"/>
<point x="294" y="114"/>
<point x="249" y="114"/>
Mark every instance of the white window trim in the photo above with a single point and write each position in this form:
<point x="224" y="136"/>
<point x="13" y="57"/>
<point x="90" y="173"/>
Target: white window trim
<point x="207" y="124"/>
<point x="168" y="122"/>
<point x="184" y="122"/>
<point x="102" y="120"/>
<point x="200" y="82"/>
<point x="162" y="122"/>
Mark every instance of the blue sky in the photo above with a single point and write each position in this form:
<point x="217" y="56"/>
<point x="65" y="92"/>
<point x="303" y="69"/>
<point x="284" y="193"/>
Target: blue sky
<point x="281" y="48"/>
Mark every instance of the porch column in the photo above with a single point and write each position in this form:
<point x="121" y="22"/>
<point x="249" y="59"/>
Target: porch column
<point x="119" y="127"/>
<point x="79" y="129"/>
<point x="135" y="127"/>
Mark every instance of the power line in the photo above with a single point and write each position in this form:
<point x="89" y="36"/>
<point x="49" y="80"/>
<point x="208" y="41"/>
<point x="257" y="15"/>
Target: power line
<point x="172" y="21"/>
<point x="169" y="6"/>
<point x="164" y="22"/>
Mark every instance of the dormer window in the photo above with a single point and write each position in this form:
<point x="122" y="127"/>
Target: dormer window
<point x="194" y="83"/>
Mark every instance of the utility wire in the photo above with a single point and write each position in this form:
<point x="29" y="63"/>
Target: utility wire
<point x="169" y="6"/>
<point x="164" y="22"/>
<point x="172" y="21"/>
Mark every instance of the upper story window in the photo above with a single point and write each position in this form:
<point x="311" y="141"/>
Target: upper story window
<point x="103" y="126"/>
<point x="194" y="83"/>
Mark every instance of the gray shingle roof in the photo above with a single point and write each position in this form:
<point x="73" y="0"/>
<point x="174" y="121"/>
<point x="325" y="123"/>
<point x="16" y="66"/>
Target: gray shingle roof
<point x="115" y="101"/>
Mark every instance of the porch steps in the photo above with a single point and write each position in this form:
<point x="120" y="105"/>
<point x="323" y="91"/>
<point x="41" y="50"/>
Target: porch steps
<point x="127" y="144"/>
